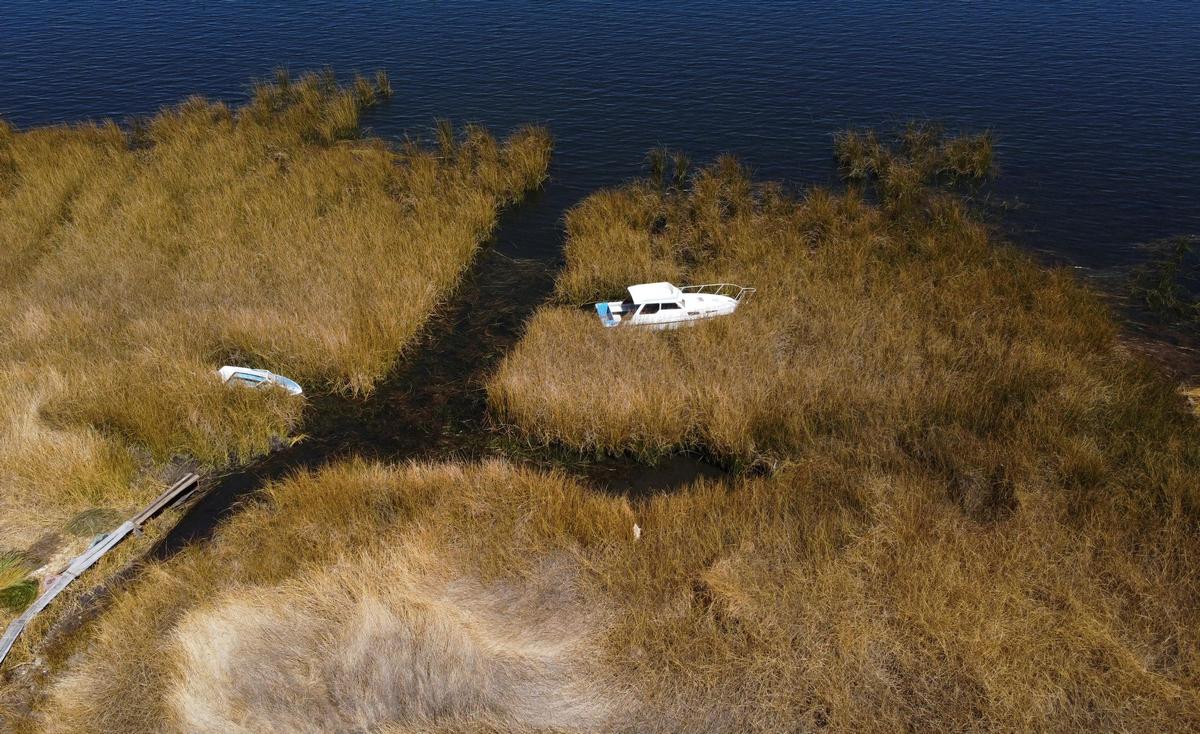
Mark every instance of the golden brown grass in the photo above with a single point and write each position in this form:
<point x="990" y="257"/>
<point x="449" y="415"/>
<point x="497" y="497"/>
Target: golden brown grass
<point x="134" y="264"/>
<point x="358" y="597"/>
<point x="829" y="596"/>
<point x="983" y="515"/>
<point x="867" y="328"/>
<point x="985" y="510"/>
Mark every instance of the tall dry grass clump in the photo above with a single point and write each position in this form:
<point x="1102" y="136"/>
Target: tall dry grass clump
<point x="134" y="263"/>
<point x="904" y="168"/>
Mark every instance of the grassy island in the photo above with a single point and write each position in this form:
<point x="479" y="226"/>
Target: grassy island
<point x="981" y="511"/>
<point x="973" y="510"/>
<point x="135" y="261"/>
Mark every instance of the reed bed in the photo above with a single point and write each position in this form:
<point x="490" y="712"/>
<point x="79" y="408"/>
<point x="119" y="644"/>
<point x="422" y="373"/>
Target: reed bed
<point x="983" y="509"/>
<point x="870" y="322"/>
<point x="135" y="262"/>
<point x="833" y="595"/>
<point x="982" y="514"/>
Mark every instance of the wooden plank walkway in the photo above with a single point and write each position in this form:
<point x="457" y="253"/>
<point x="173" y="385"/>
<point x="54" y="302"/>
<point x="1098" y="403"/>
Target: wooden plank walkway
<point x="175" y="493"/>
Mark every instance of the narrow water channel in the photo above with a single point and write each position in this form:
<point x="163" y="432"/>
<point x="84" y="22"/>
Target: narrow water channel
<point x="433" y="406"/>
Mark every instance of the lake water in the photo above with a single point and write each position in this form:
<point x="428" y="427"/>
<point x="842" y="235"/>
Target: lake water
<point x="1094" y="105"/>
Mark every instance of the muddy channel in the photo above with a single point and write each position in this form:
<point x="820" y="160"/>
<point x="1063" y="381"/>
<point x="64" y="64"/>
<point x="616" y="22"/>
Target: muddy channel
<point x="433" y="406"/>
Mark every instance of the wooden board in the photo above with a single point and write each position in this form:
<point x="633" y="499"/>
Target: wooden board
<point x="84" y="561"/>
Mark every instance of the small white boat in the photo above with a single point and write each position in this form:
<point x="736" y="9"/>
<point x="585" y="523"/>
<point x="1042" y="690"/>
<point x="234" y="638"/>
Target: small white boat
<point x="250" y="377"/>
<point x="663" y="306"/>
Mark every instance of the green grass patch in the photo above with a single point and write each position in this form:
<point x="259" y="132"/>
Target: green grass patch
<point x="15" y="597"/>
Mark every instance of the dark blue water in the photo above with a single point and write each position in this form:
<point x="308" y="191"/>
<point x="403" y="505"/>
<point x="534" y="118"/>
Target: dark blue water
<point x="1095" y="104"/>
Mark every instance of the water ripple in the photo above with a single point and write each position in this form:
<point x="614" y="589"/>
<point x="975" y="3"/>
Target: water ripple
<point x="1094" y="104"/>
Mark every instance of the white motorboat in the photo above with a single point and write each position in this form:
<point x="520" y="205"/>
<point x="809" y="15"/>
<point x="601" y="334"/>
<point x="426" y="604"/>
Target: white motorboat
<point x="250" y="377"/>
<point x="664" y="306"/>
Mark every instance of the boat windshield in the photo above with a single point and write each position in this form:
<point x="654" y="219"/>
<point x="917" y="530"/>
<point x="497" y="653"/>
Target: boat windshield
<point x="286" y="383"/>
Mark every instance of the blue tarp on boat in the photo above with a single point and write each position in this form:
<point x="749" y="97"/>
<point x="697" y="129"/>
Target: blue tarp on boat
<point x="606" y="315"/>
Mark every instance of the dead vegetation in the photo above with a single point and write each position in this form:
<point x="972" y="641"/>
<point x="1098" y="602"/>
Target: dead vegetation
<point x="984" y="510"/>
<point x="982" y="514"/>
<point x="364" y="597"/>
<point x="135" y="262"/>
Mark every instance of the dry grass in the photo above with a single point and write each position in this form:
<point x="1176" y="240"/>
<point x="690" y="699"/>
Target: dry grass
<point x="830" y="596"/>
<point x="985" y="511"/>
<point x="384" y="643"/>
<point x="360" y="597"/>
<point x="983" y="516"/>
<point x="134" y="264"/>
<point x="867" y="327"/>
<point x="920" y="153"/>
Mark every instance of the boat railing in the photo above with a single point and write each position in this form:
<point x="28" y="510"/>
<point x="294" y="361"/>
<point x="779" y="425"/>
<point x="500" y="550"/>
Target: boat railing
<point x="733" y="290"/>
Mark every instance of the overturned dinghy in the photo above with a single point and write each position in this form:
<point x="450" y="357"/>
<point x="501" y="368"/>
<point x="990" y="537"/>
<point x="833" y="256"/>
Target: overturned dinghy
<point x="251" y="377"/>
<point x="663" y="306"/>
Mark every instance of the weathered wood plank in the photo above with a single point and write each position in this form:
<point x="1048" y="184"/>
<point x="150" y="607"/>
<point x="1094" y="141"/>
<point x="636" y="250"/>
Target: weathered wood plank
<point x="85" y="560"/>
